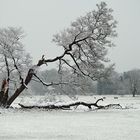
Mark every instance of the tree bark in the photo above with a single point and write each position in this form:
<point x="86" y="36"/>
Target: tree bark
<point x="4" y="92"/>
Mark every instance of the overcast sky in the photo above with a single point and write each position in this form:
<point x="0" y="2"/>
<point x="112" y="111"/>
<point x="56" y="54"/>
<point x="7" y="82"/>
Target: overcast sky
<point x="41" y="19"/>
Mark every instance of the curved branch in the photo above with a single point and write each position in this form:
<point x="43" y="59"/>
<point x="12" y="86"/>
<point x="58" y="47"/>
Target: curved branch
<point x="101" y="99"/>
<point x="50" y="84"/>
<point x="78" y="66"/>
<point x="69" y="65"/>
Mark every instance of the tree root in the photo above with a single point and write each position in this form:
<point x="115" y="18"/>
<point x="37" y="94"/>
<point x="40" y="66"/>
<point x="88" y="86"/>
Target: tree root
<point x="76" y="104"/>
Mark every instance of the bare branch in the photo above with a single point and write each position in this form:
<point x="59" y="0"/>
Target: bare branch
<point x="50" y="84"/>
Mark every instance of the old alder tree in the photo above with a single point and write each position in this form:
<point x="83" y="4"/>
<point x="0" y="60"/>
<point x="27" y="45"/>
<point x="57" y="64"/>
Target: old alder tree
<point x="85" y="44"/>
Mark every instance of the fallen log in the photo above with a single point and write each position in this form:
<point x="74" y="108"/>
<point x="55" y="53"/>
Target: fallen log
<point x="67" y="106"/>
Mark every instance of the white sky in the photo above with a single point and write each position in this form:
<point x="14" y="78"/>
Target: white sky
<point x="41" y="19"/>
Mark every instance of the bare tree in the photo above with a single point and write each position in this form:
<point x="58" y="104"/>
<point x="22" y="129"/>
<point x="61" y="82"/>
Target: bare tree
<point x="85" y="46"/>
<point x="131" y="81"/>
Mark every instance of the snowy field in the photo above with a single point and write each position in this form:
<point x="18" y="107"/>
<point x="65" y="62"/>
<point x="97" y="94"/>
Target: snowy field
<point x="79" y="124"/>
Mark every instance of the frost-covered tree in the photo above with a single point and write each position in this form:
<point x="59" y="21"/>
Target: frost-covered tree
<point x="131" y="80"/>
<point x="85" y="44"/>
<point x="14" y="61"/>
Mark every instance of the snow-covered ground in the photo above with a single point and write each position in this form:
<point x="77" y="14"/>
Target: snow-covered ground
<point x="79" y="124"/>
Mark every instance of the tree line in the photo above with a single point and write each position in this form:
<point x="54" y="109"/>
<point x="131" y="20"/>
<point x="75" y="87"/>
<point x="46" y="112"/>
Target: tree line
<point x="126" y="83"/>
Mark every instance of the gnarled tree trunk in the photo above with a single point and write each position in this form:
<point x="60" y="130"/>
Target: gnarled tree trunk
<point x="4" y="92"/>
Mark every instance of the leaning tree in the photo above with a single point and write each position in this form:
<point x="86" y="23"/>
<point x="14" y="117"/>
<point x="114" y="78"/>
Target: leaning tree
<point x="85" y="44"/>
<point x="14" y="61"/>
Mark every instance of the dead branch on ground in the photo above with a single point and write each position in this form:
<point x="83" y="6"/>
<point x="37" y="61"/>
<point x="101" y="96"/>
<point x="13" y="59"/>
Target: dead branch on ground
<point x="75" y="104"/>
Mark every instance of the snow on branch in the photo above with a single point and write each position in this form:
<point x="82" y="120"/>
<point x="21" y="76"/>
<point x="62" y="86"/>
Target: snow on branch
<point x="75" y="104"/>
